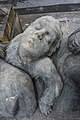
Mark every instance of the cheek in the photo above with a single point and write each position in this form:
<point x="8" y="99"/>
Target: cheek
<point x="48" y="39"/>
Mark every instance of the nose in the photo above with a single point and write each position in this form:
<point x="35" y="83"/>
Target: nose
<point x="40" y="33"/>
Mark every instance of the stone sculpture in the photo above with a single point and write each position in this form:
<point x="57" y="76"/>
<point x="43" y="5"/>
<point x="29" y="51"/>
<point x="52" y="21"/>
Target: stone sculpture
<point x="31" y="51"/>
<point x="17" y="96"/>
<point x="51" y="62"/>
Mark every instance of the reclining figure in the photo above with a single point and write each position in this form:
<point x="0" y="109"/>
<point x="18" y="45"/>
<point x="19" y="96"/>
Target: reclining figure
<point x="31" y="51"/>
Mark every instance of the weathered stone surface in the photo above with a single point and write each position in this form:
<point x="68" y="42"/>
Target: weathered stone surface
<point x="23" y="52"/>
<point x="31" y="50"/>
<point x="68" y="65"/>
<point x="17" y="97"/>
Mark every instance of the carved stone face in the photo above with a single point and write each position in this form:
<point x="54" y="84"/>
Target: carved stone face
<point x="38" y="38"/>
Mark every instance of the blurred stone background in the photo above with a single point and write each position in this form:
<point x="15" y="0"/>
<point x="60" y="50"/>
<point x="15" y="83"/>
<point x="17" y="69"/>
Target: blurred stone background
<point x="31" y="3"/>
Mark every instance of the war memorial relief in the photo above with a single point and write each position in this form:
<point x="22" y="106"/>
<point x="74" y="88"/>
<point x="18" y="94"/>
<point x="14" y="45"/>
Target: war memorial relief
<point x="40" y="69"/>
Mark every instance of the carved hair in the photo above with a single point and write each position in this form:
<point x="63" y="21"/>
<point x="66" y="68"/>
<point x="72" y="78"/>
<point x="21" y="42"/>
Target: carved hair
<point x="74" y="42"/>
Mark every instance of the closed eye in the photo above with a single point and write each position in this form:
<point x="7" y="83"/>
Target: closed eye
<point x="47" y="33"/>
